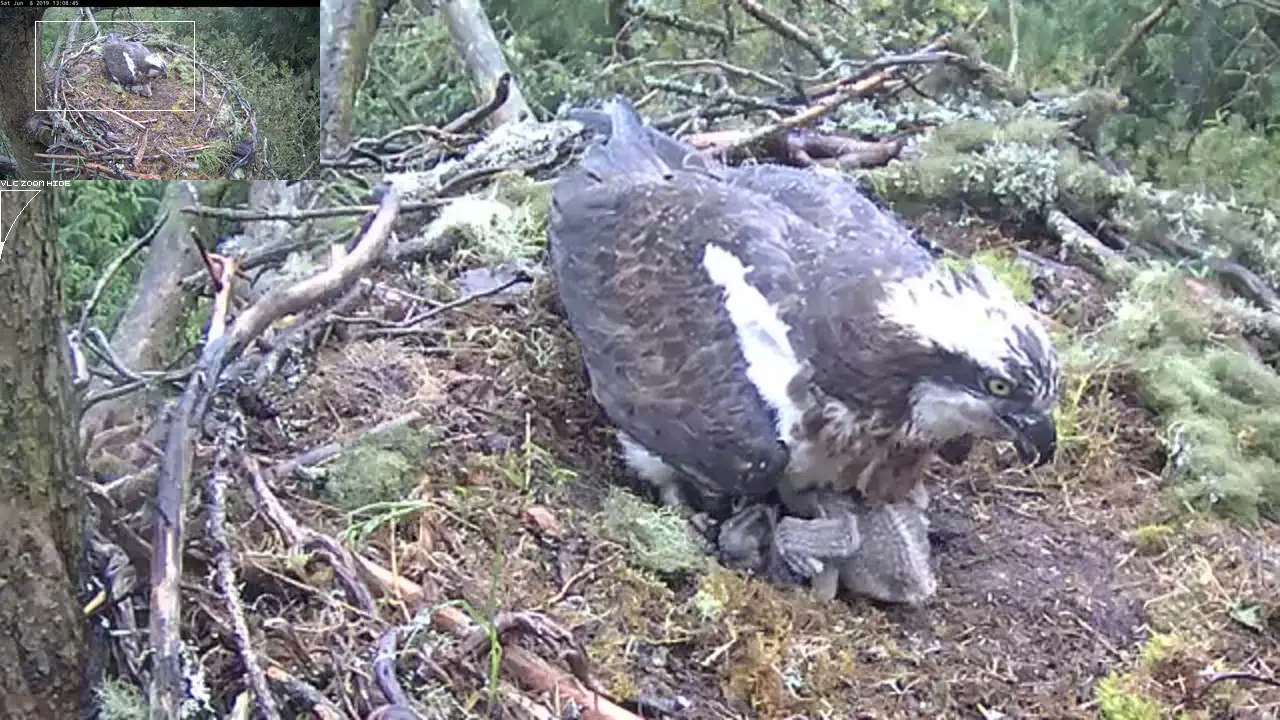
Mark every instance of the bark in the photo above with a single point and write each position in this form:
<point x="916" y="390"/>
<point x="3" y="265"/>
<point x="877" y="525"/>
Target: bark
<point x="41" y="635"/>
<point x="152" y="320"/>
<point x="480" y="51"/>
<point x="346" y="32"/>
<point x="18" y="43"/>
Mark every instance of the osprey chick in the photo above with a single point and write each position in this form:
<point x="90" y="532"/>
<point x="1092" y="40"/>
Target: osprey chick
<point x="768" y="329"/>
<point x="132" y="65"/>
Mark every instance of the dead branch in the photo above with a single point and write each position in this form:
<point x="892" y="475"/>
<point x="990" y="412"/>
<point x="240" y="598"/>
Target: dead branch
<point x="933" y="53"/>
<point x="478" y="47"/>
<point x="789" y="31"/>
<point x="813" y="112"/>
<point x="722" y="95"/>
<point x="171" y="488"/>
<point x="304" y="695"/>
<point x="529" y="669"/>
<point x="114" y="266"/>
<point x="471" y="118"/>
<point x="230" y="591"/>
<point x="1136" y="34"/>
<point x="298" y="215"/>
<point x="679" y="22"/>
<point x="708" y="64"/>
<point x="1090" y="252"/>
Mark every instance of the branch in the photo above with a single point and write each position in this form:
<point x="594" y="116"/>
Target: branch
<point x="297" y="215"/>
<point x="706" y="64"/>
<point x="1136" y="34"/>
<point x="230" y="591"/>
<point x="171" y="487"/>
<point x="474" y="116"/>
<point x="788" y="30"/>
<point x="1012" y="5"/>
<point x="697" y="27"/>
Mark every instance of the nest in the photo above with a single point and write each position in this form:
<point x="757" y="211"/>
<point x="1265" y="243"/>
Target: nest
<point x="199" y="126"/>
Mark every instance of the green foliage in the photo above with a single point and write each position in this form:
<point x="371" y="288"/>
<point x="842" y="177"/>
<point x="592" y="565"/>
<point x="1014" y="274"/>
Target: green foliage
<point x="287" y="104"/>
<point x="96" y="222"/>
<point x="658" y="538"/>
<point x="1224" y="160"/>
<point x="284" y="35"/>
<point x="1217" y="403"/>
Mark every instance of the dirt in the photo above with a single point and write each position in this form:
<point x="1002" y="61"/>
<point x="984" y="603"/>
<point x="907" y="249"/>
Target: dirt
<point x="190" y="130"/>
<point x="1043" y="591"/>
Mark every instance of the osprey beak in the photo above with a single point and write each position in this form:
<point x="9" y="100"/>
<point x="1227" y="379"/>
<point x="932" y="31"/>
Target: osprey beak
<point x="1035" y="436"/>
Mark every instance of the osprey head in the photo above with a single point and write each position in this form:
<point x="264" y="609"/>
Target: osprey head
<point x="991" y="369"/>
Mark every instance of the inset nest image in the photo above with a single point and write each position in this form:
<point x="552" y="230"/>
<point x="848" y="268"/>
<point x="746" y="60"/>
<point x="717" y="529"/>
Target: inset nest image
<point x="155" y="99"/>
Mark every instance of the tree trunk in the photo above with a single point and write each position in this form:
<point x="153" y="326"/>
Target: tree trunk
<point x="346" y="32"/>
<point x="18" y="44"/>
<point x="478" y="47"/>
<point x="41" y="635"/>
<point x="151" y="321"/>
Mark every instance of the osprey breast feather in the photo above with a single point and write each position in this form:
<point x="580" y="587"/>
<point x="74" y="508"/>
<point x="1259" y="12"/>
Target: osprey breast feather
<point x="768" y="329"/>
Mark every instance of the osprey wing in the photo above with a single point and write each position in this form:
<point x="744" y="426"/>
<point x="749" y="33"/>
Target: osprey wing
<point x="656" y="270"/>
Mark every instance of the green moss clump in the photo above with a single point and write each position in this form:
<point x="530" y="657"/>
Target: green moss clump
<point x="1152" y="539"/>
<point x="119" y="700"/>
<point x="658" y="538"/>
<point x="1003" y="266"/>
<point x="384" y="469"/>
<point x="1216" y="403"/>
<point x="1119" y="699"/>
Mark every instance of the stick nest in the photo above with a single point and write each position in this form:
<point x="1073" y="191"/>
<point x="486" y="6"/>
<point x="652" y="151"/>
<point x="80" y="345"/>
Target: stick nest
<point x="200" y="126"/>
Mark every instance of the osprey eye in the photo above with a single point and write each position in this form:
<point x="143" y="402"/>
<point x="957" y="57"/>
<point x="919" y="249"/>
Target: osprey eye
<point x="999" y="387"/>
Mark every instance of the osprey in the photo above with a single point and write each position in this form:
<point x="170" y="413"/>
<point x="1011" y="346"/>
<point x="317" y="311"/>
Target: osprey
<point x="769" y="331"/>
<point x="132" y="65"/>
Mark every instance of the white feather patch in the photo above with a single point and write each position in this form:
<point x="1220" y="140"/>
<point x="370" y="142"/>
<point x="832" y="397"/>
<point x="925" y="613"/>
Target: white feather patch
<point x="650" y="468"/>
<point x="762" y="335"/>
<point x="950" y="309"/>
<point x="128" y="62"/>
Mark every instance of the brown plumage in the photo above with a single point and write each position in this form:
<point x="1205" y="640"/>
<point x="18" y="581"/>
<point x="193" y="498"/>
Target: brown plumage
<point x="768" y="329"/>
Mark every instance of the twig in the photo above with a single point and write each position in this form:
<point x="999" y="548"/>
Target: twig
<point x="230" y="592"/>
<point x="1012" y="6"/>
<point x="1224" y="676"/>
<point x="697" y="27"/>
<point x="476" y="115"/>
<point x="706" y="63"/>
<point x="171" y="487"/>
<point x="295" y="215"/>
<point x="789" y="31"/>
<point x="409" y="322"/>
<point x="812" y="113"/>
<point x="1136" y="33"/>
<point x="114" y="267"/>
<point x="384" y="668"/>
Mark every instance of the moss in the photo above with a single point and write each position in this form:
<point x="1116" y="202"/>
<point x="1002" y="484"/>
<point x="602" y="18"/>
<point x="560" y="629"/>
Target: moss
<point x="1216" y="403"/>
<point x="657" y="538"/>
<point x="383" y="469"/>
<point x="119" y="700"/>
<point x="1119" y="699"/>
<point x="1152" y="539"/>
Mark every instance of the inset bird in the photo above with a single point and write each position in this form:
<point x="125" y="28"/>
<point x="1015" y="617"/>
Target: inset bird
<point x="132" y="65"/>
